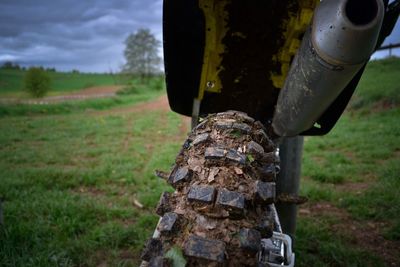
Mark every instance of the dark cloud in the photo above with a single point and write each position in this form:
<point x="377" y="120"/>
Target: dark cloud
<point x="87" y="34"/>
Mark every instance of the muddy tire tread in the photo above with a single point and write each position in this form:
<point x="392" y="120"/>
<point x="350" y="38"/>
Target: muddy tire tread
<point x="224" y="179"/>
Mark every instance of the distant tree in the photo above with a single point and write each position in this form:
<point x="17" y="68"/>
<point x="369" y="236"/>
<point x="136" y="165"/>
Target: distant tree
<point x="10" y="65"/>
<point x="141" y="54"/>
<point x="37" y="82"/>
<point x="7" y="65"/>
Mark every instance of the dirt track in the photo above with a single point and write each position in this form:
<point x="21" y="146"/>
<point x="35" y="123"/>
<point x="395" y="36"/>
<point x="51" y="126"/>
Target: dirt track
<point x="87" y="93"/>
<point x="160" y="103"/>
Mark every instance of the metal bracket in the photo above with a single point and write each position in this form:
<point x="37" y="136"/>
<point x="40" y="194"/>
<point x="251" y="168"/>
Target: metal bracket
<point x="277" y="251"/>
<point x="195" y="112"/>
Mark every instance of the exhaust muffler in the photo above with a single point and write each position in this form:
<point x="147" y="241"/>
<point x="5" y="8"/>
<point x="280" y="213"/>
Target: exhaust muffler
<point x="340" y="40"/>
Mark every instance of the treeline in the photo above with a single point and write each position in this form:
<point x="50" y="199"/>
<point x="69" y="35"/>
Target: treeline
<point x="9" y="65"/>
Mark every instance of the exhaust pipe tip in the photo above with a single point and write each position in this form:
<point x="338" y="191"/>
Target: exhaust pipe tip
<point x="345" y="32"/>
<point x="361" y="16"/>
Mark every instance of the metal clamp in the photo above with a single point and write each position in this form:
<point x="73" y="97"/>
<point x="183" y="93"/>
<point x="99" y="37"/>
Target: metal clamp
<point x="277" y="251"/>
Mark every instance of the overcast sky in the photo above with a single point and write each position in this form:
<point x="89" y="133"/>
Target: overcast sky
<point x="87" y="35"/>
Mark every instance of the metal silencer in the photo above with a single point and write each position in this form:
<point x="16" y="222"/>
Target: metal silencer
<point x="340" y="40"/>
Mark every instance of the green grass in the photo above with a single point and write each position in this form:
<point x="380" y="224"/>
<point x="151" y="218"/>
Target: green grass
<point x="362" y="149"/>
<point x="381" y="202"/>
<point x="68" y="189"/>
<point x="70" y="177"/>
<point x="380" y="86"/>
<point x="12" y="81"/>
<point x="318" y="245"/>
<point x="354" y="147"/>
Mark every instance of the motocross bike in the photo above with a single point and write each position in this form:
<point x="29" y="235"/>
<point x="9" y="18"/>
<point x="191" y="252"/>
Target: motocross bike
<point x="254" y="76"/>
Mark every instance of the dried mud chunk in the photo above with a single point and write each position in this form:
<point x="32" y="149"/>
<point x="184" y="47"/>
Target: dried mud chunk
<point x="186" y="145"/>
<point x="206" y="223"/>
<point x="267" y="172"/>
<point x="242" y="127"/>
<point x="201" y="138"/>
<point x="227" y="113"/>
<point x="261" y="135"/>
<point x="164" y="204"/>
<point x="223" y="125"/>
<point x="167" y="222"/>
<point x="236" y="156"/>
<point x="250" y="239"/>
<point x="209" y="249"/>
<point x="270" y="145"/>
<point x="230" y="199"/>
<point x="270" y="157"/>
<point x="264" y="192"/>
<point x="262" y="138"/>
<point x="266" y="226"/>
<point x="180" y="175"/>
<point x="259" y="125"/>
<point x="214" y="153"/>
<point x="201" y="124"/>
<point x="244" y="117"/>
<point x="153" y="248"/>
<point x="201" y="193"/>
<point x="255" y="148"/>
<point x="162" y="174"/>
<point x="157" y="262"/>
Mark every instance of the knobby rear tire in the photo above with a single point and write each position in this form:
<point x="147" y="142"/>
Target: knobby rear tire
<point x="224" y="179"/>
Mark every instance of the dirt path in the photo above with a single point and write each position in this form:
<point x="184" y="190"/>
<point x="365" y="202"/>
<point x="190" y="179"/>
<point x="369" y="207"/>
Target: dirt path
<point x="96" y="90"/>
<point x="87" y="93"/>
<point x="160" y="103"/>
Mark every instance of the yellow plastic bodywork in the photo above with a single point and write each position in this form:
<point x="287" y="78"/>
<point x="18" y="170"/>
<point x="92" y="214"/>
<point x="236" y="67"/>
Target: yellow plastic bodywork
<point x="215" y="19"/>
<point x="216" y="28"/>
<point x="295" y="26"/>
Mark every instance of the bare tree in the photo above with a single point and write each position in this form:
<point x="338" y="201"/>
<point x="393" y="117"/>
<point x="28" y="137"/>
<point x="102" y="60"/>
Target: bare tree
<point x="141" y="54"/>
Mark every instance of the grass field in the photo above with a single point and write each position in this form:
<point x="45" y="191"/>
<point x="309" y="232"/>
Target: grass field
<point x="73" y="181"/>
<point x="140" y="95"/>
<point x="380" y="87"/>
<point x="12" y="81"/>
<point x="352" y="177"/>
<point x="132" y="91"/>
